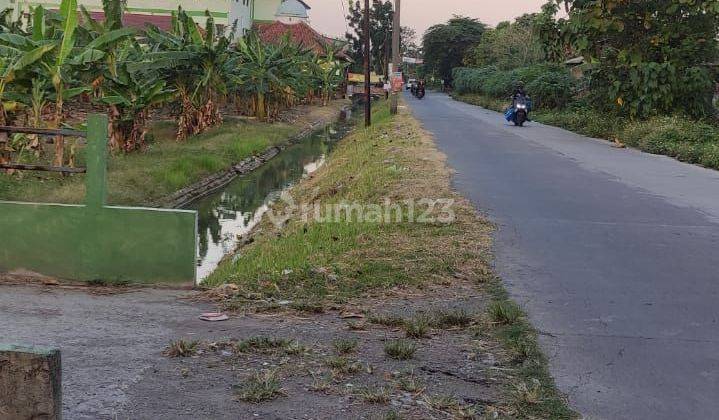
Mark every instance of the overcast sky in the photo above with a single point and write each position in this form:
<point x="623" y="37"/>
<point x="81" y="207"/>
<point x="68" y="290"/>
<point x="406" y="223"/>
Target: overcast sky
<point x="327" y="16"/>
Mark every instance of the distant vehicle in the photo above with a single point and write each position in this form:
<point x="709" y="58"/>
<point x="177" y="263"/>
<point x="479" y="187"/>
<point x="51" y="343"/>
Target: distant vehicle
<point x="418" y="89"/>
<point x="410" y="84"/>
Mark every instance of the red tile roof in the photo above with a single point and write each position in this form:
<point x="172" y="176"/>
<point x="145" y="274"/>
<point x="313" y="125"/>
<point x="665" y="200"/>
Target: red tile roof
<point x="138" y="20"/>
<point x="300" y="33"/>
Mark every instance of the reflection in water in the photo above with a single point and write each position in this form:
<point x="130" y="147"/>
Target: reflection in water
<point x="233" y="211"/>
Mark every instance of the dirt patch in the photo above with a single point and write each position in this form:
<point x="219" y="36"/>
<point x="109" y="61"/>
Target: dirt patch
<point x="452" y="372"/>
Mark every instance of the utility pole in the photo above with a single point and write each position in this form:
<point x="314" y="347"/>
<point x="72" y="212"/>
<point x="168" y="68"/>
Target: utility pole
<point x="368" y="97"/>
<point x="396" y="53"/>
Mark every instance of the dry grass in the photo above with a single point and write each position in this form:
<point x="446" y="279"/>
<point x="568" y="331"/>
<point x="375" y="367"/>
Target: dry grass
<point x="260" y="387"/>
<point x="181" y="348"/>
<point x="395" y="161"/>
<point x="400" y="349"/>
<point x="269" y="345"/>
<point x="345" y="345"/>
<point x="375" y="395"/>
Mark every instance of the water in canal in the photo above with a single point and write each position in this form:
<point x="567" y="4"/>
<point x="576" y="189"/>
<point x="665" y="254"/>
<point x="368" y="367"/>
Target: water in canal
<point x="226" y="215"/>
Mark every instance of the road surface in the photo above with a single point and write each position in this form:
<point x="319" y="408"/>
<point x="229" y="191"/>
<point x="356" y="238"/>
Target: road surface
<point x="614" y="253"/>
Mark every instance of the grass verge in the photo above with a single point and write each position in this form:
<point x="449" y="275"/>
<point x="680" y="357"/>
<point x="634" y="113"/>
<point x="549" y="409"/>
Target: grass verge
<point x="337" y="261"/>
<point x="676" y="136"/>
<point x="533" y="393"/>
<point x="166" y="166"/>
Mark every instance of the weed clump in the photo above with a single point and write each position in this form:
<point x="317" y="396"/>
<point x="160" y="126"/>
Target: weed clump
<point x="269" y="345"/>
<point x="343" y="365"/>
<point x="410" y="384"/>
<point x="181" y="348"/>
<point x="417" y="327"/>
<point x="375" y="395"/>
<point x="504" y="312"/>
<point x="345" y="345"/>
<point x="261" y="386"/>
<point x="452" y="318"/>
<point x="309" y="307"/>
<point x="387" y="320"/>
<point x="400" y="349"/>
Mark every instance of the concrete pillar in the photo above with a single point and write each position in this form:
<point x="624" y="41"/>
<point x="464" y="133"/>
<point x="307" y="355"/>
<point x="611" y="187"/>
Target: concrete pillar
<point x="30" y="383"/>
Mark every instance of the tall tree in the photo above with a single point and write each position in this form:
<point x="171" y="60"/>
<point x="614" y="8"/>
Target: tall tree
<point x="648" y="56"/>
<point x="508" y="46"/>
<point x="408" y="43"/>
<point x="445" y="45"/>
<point x="381" y="15"/>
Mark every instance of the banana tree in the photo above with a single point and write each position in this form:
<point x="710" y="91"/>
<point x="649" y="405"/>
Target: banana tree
<point x="263" y="72"/>
<point x="67" y="59"/>
<point x="17" y="53"/>
<point x="108" y="36"/>
<point x="330" y="72"/>
<point x="131" y="95"/>
<point x="196" y="65"/>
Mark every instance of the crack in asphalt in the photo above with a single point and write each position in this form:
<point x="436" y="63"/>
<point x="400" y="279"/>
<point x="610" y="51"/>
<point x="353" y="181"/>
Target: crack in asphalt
<point x="628" y="337"/>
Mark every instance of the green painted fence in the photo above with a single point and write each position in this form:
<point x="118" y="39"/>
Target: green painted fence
<point x="95" y="241"/>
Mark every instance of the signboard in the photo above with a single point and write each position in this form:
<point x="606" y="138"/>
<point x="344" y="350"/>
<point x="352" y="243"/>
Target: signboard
<point x="359" y="78"/>
<point x="397" y="81"/>
<point x="412" y="60"/>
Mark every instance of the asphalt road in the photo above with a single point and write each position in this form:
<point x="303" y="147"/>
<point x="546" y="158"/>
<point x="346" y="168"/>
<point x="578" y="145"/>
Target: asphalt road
<point x="614" y="253"/>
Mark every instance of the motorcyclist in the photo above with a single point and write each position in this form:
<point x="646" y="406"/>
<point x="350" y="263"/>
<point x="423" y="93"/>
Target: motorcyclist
<point x="519" y="92"/>
<point x="420" y="88"/>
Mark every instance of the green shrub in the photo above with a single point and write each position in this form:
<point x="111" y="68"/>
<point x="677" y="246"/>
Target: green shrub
<point x="551" y="90"/>
<point x="551" y="82"/>
<point x="586" y="121"/>
<point x="500" y="84"/>
<point x="680" y="137"/>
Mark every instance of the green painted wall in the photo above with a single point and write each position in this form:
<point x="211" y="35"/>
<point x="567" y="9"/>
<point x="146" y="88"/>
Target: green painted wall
<point x="95" y="241"/>
<point x="111" y="243"/>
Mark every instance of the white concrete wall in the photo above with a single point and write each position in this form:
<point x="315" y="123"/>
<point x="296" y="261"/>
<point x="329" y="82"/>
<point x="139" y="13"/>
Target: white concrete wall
<point x="266" y="9"/>
<point x="240" y="11"/>
<point x="196" y="8"/>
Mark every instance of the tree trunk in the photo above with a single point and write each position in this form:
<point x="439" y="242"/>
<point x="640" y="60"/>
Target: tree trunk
<point x="4" y="154"/>
<point x="59" y="139"/>
<point x="117" y="138"/>
<point x="261" y="111"/>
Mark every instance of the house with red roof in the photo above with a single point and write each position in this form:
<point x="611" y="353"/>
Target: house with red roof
<point x="226" y="13"/>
